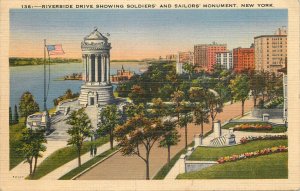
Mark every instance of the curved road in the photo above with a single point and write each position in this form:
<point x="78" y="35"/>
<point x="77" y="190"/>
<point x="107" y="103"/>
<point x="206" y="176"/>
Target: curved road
<point x="120" y="167"/>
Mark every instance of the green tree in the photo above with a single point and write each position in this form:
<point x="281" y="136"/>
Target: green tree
<point x="132" y="109"/>
<point x="257" y="85"/>
<point x="165" y="92"/>
<point x="27" y="105"/>
<point x="136" y="132"/>
<point x="27" y="147"/>
<point x="240" y="88"/>
<point x="189" y="68"/>
<point x="16" y="115"/>
<point x="170" y="138"/>
<point x="109" y="119"/>
<point x="137" y="94"/>
<point x="201" y="116"/>
<point x="185" y="119"/>
<point x="196" y="95"/>
<point x="68" y="94"/>
<point x="80" y="129"/>
<point x="39" y="140"/>
<point x="274" y="86"/>
<point x="32" y="143"/>
<point x="10" y="117"/>
<point x="199" y="106"/>
<point x="158" y="108"/>
<point x="214" y="104"/>
<point x="177" y="99"/>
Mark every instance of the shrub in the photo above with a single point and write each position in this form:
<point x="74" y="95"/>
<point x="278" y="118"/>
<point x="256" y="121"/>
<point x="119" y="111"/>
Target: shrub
<point x="265" y="151"/>
<point x="256" y="127"/>
<point x="266" y="137"/>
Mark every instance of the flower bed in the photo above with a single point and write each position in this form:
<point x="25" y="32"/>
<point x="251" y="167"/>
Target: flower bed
<point x="266" y="137"/>
<point x="265" y="151"/>
<point x="255" y="127"/>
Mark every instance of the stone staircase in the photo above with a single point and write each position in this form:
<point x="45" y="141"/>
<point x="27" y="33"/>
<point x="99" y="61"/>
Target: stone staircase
<point x="92" y="112"/>
<point x="219" y="141"/>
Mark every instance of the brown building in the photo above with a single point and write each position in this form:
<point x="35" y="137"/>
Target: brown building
<point x="243" y="59"/>
<point x="122" y="75"/>
<point x="186" y="57"/>
<point x="171" y="57"/>
<point x="271" y="51"/>
<point x="205" y="54"/>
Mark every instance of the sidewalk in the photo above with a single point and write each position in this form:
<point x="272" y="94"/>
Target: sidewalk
<point x="59" y="172"/>
<point x="22" y="170"/>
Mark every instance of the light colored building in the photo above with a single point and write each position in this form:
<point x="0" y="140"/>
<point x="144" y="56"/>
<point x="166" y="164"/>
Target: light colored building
<point x="224" y="59"/>
<point x="243" y="59"/>
<point x="184" y="58"/>
<point x="271" y="51"/>
<point x="205" y="55"/>
<point x="97" y="89"/>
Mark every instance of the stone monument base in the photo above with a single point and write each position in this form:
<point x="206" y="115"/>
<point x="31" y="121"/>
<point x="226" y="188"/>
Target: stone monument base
<point x="96" y="95"/>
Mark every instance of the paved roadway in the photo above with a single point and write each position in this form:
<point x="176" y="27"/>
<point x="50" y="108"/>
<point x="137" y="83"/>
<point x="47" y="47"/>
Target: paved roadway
<point x="120" y="167"/>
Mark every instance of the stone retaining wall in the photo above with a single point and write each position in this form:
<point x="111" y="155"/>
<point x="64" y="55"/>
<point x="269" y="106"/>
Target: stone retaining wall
<point x="274" y="113"/>
<point x="191" y="166"/>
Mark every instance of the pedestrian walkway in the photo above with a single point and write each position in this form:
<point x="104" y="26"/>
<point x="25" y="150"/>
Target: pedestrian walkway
<point x="59" y="172"/>
<point x="22" y="170"/>
<point x="119" y="167"/>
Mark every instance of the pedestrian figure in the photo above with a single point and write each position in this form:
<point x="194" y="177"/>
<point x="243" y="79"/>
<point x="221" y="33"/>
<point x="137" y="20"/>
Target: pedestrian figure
<point x="91" y="150"/>
<point x="95" y="150"/>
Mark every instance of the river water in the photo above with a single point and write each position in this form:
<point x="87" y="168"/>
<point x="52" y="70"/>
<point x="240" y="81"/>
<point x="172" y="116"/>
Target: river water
<point x="31" y="78"/>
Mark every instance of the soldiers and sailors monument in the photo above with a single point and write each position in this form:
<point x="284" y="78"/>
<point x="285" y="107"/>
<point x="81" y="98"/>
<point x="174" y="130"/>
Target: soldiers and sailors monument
<point x="97" y="89"/>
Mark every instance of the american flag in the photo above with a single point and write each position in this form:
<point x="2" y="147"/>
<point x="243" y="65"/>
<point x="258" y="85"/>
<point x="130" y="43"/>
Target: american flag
<point x="55" y="49"/>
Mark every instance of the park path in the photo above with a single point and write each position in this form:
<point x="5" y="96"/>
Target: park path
<point x="64" y="169"/>
<point x="21" y="171"/>
<point x="120" y="167"/>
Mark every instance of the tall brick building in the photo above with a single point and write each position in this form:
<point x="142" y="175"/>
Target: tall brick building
<point x="243" y="59"/>
<point x="271" y="51"/>
<point x="205" y="55"/>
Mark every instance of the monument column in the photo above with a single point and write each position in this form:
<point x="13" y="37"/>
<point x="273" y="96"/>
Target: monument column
<point x="107" y="69"/>
<point x="90" y="68"/>
<point x="85" y="67"/>
<point x="102" y="67"/>
<point x="96" y="67"/>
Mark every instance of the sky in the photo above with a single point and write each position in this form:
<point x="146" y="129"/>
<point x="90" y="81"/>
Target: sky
<point x="138" y="34"/>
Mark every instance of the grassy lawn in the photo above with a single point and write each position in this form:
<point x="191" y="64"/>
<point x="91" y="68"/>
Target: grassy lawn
<point x="86" y="165"/>
<point x="15" y="134"/>
<point x="62" y="156"/>
<point x="213" y="153"/>
<point x="275" y="129"/>
<point x="273" y="166"/>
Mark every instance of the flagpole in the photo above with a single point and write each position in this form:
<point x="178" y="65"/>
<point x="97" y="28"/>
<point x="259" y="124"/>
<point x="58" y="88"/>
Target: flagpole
<point x="47" y="125"/>
<point x="45" y="105"/>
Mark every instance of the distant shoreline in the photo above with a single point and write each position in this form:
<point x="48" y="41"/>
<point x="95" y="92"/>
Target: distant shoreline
<point x="126" y="61"/>
<point x="15" y="61"/>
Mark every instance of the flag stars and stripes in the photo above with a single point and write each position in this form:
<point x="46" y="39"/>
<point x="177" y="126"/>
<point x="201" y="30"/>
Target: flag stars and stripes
<point x="55" y="49"/>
